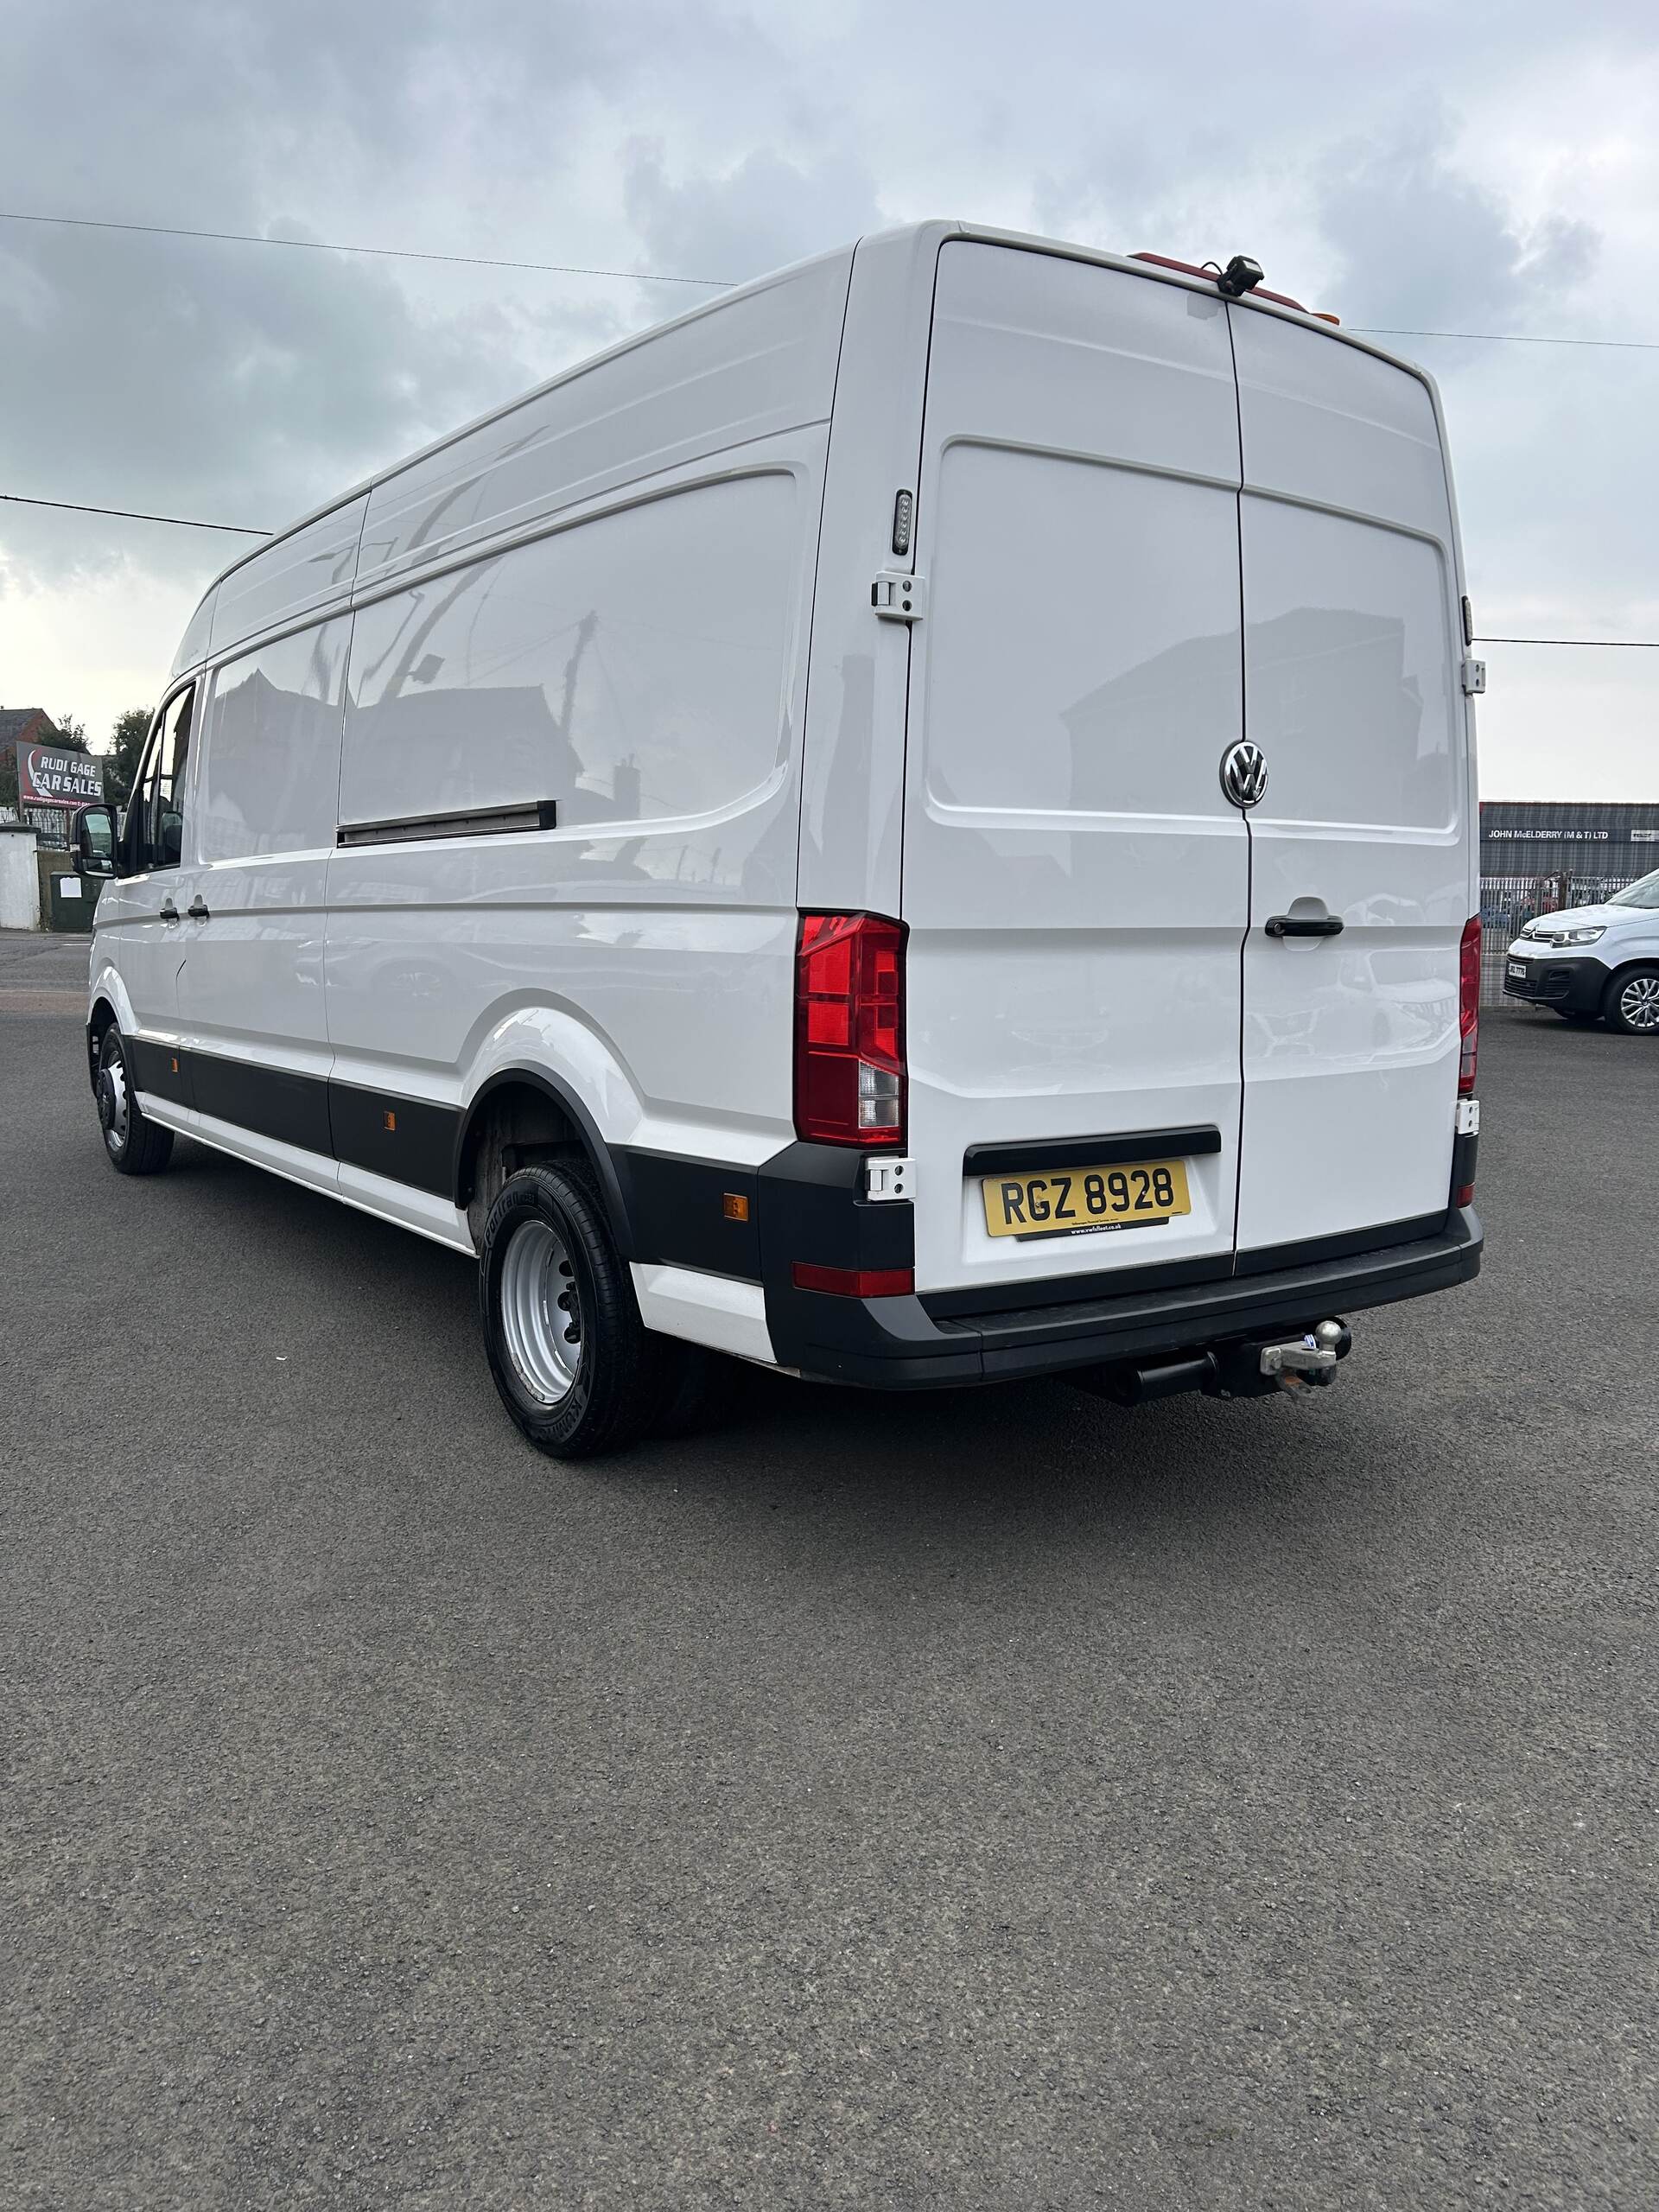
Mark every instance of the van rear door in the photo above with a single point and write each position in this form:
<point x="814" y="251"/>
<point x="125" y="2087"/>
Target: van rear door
<point x="1075" y="882"/>
<point x="1353" y="693"/>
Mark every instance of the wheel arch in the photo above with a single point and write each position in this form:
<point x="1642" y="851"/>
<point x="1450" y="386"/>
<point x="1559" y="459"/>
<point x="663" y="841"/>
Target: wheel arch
<point x="102" y="1017"/>
<point x="569" y="1122"/>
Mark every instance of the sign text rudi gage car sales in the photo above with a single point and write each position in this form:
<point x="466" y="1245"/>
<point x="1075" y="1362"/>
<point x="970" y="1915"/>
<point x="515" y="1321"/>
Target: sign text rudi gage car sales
<point x="49" y="777"/>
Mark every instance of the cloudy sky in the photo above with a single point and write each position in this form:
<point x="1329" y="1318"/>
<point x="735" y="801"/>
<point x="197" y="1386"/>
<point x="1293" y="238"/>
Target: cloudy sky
<point x="1483" y="168"/>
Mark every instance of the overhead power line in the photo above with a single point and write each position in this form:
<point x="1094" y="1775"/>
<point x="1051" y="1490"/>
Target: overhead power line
<point x="1617" y="644"/>
<point x="1504" y="337"/>
<point x="387" y="252"/>
<point x="708" y="284"/>
<point x="132" y="514"/>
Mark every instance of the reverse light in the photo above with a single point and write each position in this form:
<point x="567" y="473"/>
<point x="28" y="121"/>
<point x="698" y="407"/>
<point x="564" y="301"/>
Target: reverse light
<point x="1468" y="1005"/>
<point x="849" y="1031"/>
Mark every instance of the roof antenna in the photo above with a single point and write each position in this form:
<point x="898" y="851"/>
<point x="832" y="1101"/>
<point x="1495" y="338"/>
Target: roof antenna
<point x="1241" y="275"/>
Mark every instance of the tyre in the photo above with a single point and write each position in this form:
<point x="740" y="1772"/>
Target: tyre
<point x="570" y="1357"/>
<point x="137" y="1146"/>
<point x="1632" y="1002"/>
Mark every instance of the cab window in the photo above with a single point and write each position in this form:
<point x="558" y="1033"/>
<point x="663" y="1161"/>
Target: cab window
<point x="154" y="837"/>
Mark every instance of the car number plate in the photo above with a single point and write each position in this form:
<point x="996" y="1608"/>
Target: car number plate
<point x="1086" y="1200"/>
<point x="1518" y="968"/>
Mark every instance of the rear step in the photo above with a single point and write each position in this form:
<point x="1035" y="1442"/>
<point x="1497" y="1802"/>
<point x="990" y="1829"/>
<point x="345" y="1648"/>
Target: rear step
<point x="1253" y="1369"/>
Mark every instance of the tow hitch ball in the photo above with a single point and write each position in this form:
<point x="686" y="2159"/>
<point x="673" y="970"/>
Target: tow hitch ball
<point x="1311" y="1361"/>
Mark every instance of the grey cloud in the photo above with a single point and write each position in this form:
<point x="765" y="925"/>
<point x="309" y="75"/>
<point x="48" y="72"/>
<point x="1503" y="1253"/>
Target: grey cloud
<point x="1419" y="243"/>
<point x="763" y="212"/>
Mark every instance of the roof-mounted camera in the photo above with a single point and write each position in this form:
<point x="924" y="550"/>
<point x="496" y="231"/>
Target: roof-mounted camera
<point x="1241" y="275"/>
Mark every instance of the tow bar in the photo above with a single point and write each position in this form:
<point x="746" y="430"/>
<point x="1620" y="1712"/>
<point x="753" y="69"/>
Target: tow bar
<point x="1312" y="1360"/>
<point x="1253" y="1369"/>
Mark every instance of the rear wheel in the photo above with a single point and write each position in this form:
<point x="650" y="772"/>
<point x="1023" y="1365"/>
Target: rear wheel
<point x="1632" y="1002"/>
<point x="569" y="1352"/>
<point x="137" y="1146"/>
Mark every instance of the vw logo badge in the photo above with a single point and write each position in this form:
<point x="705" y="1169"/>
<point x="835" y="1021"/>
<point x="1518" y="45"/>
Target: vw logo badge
<point x="1244" y="773"/>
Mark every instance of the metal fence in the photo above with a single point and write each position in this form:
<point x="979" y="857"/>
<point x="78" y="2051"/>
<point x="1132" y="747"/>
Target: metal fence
<point x="1508" y="903"/>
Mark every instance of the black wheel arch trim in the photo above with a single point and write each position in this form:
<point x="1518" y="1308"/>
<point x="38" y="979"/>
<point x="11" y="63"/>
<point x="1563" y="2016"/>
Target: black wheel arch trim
<point x="617" y="1208"/>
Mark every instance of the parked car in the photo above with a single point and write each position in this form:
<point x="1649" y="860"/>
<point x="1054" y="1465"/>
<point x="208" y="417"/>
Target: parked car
<point x="1593" y="962"/>
<point x="911" y="826"/>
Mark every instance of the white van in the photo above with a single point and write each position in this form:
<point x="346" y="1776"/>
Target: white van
<point x="911" y="826"/>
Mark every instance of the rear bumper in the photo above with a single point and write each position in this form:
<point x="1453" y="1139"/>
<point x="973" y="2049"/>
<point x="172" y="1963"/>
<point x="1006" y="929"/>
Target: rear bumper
<point x="1575" y="986"/>
<point x="898" y="1344"/>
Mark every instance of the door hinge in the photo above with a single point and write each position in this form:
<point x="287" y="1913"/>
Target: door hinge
<point x="1474" y="677"/>
<point x="897" y="596"/>
<point x="888" y="1179"/>
<point x="1467" y="1123"/>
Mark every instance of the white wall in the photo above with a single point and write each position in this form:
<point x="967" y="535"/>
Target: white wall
<point x="20" y="882"/>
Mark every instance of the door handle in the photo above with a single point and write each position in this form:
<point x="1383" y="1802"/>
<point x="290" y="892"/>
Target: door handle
<point x="197" y="910"/>
<point x="1301" y="925"/>
<point x="169" y="911"/>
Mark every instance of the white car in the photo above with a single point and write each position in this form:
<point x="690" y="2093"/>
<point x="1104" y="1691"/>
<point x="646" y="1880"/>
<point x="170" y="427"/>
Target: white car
<point x="1595" y="961"/>
<point x="912" y="826"/>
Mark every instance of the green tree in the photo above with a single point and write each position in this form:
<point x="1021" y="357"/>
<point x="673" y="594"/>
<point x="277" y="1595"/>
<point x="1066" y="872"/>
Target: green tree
<point x="71" y="735"/>
<point x="120" y="761"/>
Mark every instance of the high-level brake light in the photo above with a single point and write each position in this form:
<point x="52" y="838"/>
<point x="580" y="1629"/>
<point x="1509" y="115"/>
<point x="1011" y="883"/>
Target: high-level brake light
<point x="1469" y="1005"/>
<point x="849" y="1030"/>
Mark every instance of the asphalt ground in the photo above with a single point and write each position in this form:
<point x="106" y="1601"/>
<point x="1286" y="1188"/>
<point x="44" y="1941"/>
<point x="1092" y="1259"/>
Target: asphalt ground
<point x="998" y="1799"/>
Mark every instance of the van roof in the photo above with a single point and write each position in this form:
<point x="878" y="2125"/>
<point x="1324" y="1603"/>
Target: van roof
<point x="1153" y="271"/>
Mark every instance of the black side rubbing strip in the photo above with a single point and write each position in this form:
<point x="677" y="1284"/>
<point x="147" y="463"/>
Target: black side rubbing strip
<point x="470" y="822"/>
<point x="1033" y="1157"/>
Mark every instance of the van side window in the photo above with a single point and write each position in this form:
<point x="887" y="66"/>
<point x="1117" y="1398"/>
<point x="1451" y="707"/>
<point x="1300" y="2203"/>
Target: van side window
<point x="154" y="837"/>
<point x="269" y="777"/>
<point x="631" y="669"/>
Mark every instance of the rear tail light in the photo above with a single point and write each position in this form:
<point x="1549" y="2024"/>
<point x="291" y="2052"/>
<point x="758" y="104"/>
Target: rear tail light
<point x="1468" y="1005"/>
<point x="849" y="1030"/>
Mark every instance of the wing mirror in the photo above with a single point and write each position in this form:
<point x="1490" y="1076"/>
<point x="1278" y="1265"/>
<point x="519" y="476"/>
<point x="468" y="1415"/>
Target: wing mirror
<point x="94" y="840"/>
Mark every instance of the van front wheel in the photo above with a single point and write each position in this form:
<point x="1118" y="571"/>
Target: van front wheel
<point x="136" y="1145"/>
<point x="566" y="1344"/>
<point x="1632" y="1002"/>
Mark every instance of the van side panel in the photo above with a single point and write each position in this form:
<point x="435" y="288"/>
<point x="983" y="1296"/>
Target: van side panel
<point x="1352" y="651"/>
<point x="309" y="569"/>
<point x="761" y="364"/>
<point x="641" y="950"/>
<point x="261" y="826"/>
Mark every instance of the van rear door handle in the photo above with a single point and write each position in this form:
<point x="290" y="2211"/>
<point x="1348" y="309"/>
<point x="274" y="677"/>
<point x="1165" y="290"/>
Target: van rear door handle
<point x="1299" y="926"/>
<point x="197" y="910"/>
<point x="170" y="913"/>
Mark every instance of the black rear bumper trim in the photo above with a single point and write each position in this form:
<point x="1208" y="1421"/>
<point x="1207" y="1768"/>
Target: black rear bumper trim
<point x="896" y="1344"/>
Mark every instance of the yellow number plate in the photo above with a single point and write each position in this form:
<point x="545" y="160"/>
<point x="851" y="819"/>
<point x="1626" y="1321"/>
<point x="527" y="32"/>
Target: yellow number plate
<point x="1142" y="1197"/>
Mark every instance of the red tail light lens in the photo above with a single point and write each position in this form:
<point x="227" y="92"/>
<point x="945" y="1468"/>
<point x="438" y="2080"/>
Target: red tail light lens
<point x="849" y="1030"/>
<point x="1469" y="1005"/>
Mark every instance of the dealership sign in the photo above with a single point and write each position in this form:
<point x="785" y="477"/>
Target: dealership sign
<point x="46" y="777"/>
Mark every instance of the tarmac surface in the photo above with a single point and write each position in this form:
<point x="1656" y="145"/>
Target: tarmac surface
<point x="998" y="1799"/>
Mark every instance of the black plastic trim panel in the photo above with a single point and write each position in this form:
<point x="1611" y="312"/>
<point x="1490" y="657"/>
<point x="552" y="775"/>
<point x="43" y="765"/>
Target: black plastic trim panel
<point x="897" y="1344"/>
<point x="1269" y="1259"/>
<point x="1032" y="1156"/>
<point x="1578" y="985"/>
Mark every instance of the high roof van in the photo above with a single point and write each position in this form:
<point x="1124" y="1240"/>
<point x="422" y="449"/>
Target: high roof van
<point x="911" y="826"/>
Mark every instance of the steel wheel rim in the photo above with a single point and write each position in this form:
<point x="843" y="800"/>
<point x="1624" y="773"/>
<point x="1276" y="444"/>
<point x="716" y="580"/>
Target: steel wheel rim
<point x="541" y="1313"/>
<point x="1638" y="1002"/>
<point x="114" y="1106"/>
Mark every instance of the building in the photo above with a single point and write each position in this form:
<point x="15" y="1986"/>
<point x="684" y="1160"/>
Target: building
<point x="1538" y="856"/>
